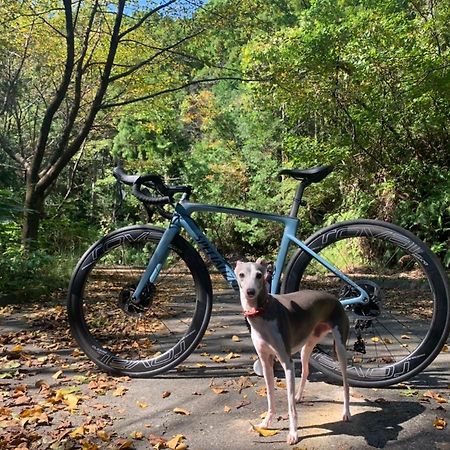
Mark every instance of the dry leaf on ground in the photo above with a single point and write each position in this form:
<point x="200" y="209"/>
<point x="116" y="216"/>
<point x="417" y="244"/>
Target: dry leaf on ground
<point x="265" y="432"/>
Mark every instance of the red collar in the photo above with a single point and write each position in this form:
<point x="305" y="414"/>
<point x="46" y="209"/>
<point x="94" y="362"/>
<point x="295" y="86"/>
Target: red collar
<point x="257" y="311"/>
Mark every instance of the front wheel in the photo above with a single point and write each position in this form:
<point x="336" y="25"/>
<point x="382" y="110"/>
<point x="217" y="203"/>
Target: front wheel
<point x="149" y="338"/>
<point x="406" y="322"/>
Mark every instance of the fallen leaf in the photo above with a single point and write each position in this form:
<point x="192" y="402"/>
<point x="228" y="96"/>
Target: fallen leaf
<point x="156" y="440"/>
<point x="435" y="396"/>
<point x="103" y="435"/>
<point x="444" y="348"/>
<point x="439" y="423"/>
<point x="200" y="365"/>
<point x="219" y="390"/>
<point x="138" y="435"/>
<point x="56" y="375"/>
<point x="182" y="411"/>
<point x="265" y="432"/>
<point x="235" y="338"/>
<point x="122" y="444"/>
<point x="71" y="400"/>
<point x="175" y="441"/>
<point x="281" y="384"/>
<point x="375" y="339"/>
<point x="405" y="336"/>
<point x="226" y="409"/>
<point x="262" y="391"/>
<point x="79" y="431"/>
<point x="142" y="405"/>
<point x="232" y="355"/>
<point x="17" y="348"/>
<point x="387" y="341"/>
<point x="88" y="445"/>
<point x="218" y="359"/>
<point x="120" y="391"/>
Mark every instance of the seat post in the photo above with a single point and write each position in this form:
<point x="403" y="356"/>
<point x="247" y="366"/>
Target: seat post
<point x="298" y="198"/>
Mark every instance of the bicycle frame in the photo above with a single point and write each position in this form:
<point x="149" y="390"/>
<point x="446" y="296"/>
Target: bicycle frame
<point x="182" y="219"/>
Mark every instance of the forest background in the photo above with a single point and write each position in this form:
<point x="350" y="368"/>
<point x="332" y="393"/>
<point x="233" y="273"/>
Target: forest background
<point x="221" y="95"/>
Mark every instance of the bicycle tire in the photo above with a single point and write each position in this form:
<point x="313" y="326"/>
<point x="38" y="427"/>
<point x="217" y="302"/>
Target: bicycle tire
<point x="406" y="335"/>
<point x="149" y="339"/>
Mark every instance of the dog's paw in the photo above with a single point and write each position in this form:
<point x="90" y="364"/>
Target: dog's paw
<point x="298" y="398"/>
<point x="346" y="417"/>
<point x="292" y="438"/>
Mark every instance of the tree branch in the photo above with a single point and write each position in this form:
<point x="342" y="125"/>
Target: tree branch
<point x="151" y="58"/>
<point x="145" y="17"/>
<point x="179" y="88"/>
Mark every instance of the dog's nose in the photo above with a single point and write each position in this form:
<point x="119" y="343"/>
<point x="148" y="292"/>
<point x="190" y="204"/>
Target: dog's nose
<point x="251" y="292"/>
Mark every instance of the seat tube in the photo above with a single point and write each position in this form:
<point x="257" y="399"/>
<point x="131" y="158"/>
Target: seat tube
<point x="290" y="229"/>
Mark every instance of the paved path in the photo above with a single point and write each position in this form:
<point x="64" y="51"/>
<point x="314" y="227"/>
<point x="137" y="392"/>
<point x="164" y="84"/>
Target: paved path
<point x="216" y="401"/>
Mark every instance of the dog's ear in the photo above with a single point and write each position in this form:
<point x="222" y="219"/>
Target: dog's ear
<point x="262" y="262"/>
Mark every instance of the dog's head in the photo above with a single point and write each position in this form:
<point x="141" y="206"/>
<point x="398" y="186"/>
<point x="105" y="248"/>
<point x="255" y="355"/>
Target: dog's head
<point x="252" y="280"/>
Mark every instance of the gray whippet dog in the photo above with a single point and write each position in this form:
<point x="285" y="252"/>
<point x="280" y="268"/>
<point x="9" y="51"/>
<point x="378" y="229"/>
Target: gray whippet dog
<point x="282" y="325"/>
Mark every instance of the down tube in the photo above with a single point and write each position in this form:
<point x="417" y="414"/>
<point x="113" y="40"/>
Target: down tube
<point x="210" y="250"/>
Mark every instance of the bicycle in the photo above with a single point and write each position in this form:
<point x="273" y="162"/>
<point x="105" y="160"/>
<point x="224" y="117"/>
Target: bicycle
<point x="140" y="298"/>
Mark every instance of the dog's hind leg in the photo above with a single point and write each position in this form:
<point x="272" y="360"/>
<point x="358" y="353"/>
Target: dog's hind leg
<point x="342" y="358"/>
<point x="304" y="357"/>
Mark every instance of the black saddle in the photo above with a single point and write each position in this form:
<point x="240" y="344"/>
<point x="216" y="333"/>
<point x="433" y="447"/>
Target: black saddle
<point x="313" y="175"/>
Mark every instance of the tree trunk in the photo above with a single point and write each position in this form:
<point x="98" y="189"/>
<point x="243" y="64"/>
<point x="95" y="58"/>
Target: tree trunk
<point x="34" y="207"/>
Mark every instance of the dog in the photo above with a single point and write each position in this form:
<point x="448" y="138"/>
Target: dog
<point x="282" y="325"/>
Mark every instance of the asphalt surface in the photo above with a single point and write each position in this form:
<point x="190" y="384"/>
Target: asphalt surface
<point x="213" y="404"/>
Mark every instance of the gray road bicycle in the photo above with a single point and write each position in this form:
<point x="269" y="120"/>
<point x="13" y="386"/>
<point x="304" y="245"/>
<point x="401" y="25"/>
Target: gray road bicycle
<point x="140" y="298"/>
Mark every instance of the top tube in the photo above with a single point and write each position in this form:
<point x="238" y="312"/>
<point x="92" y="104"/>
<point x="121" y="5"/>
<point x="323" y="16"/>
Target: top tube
<point x="190" y="207"/>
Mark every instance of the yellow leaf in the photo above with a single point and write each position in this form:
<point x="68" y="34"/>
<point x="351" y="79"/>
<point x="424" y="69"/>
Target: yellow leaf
<point x="262" y="391"/>
<point x="201" y="366"/>
<point x="281" y="384"/>
<point x="439" y="423"/>
<point x="175" y="442"/>
<point x="265" y="432"/>
<point x="405" y="336"/>
<point x="236" y="338"/>
<point x="445" y="348"/>
<point x="226" y="409"/>
<point x="182" y="411"/>
<point x="142" y="405"/>
<point x="218" y="359"/>
<point x="232" y="355"/>
<point x="138" y="435"/>
<point x="375" y="339"/>
<point x="17" y="348"/>
<point x="103" y="435"/>
<point x="71" y="400"/>
<point x="387" y="341"/>
<point x="79" y="431"/>
<point x="56" y="375"/>
<point x="87" y="445"/>
<point x="122" y="444"/>
<point x="119" y="391"/>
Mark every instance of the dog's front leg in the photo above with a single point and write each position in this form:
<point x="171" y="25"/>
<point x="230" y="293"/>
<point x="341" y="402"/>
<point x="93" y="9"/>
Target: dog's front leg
<point x="288" y="366"/>
<point x="267" y="367"/>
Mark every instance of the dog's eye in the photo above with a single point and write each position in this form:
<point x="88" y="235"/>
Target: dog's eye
<point x="258" y="275"/>
<point x="241" y="275"/>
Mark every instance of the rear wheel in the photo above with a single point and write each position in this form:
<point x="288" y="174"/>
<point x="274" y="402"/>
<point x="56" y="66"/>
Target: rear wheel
<point x="406" y="322"/>
<point x="145" y="339"/>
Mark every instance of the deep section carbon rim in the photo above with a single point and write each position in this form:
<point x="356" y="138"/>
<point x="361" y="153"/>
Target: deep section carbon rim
<point x="405" y="324"/>
<point x="163" y="329"/>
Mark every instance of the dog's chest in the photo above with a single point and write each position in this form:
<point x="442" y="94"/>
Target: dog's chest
<point x="266" y="336"/>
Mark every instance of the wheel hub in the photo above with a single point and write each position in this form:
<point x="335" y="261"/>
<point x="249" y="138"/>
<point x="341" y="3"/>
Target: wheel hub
<point x="132" y="306"/>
